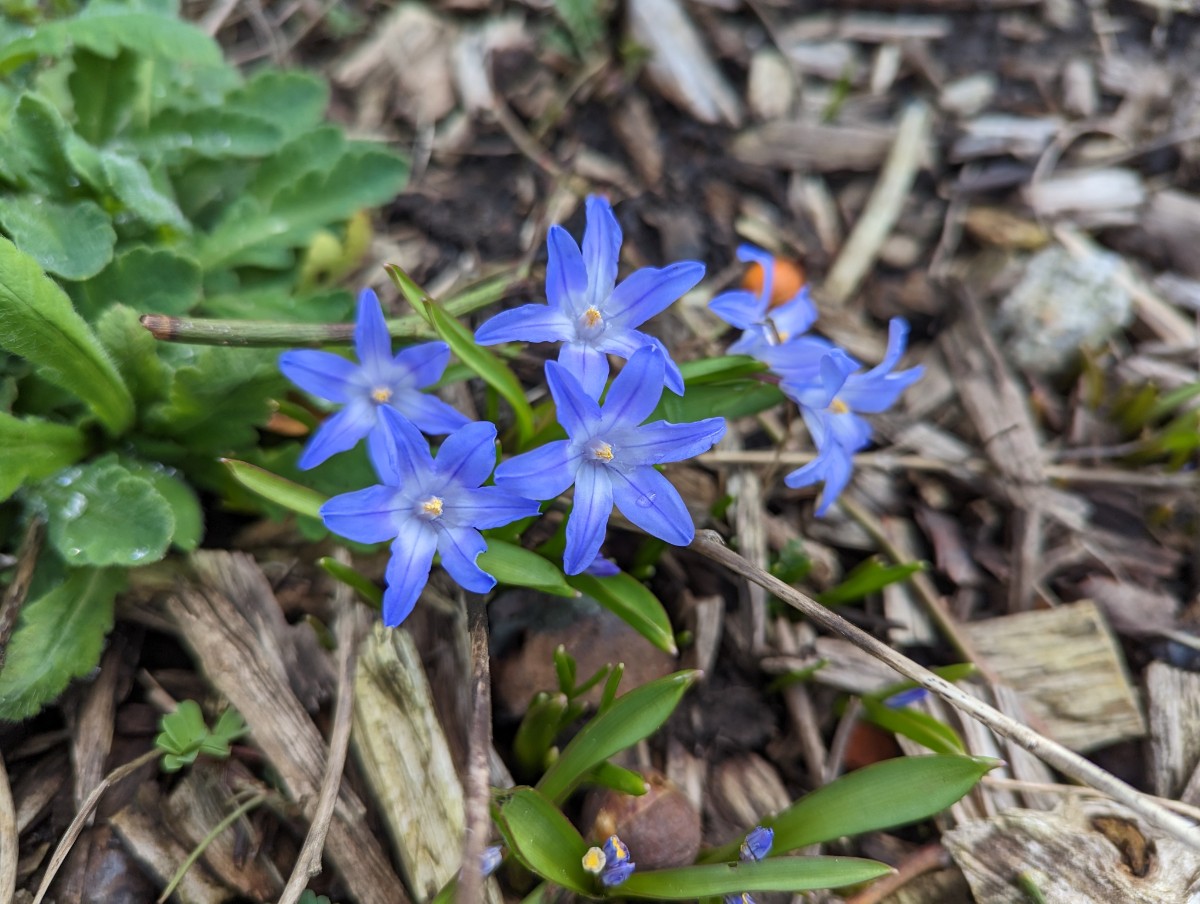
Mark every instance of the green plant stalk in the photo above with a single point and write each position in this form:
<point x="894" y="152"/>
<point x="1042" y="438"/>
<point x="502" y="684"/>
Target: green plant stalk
<point x="206" y="841"/>
<point x="272" y="334"/>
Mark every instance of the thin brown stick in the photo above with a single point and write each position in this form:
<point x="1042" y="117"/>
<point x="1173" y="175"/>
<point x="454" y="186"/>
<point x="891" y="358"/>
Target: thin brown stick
<point x="709" y="543"/>
<point x="18" y="590"/>
<point x="477" y="785"/>
<point x="69" y="837"/>
<point x="921" y="861"/>
<point x="349" y="633"/>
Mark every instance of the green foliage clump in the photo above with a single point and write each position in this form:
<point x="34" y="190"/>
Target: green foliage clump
<point x="142" y="173"/>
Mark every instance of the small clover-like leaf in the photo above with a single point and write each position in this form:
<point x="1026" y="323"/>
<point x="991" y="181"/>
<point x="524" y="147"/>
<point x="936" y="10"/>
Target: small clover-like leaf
<point x="183" y="735"/>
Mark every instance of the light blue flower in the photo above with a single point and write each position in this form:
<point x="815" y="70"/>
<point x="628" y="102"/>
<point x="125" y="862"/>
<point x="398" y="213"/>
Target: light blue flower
<point x="587" y="311"/>
<point x="609" y="456"/>
<point x="763" y="326"/>
<point x="756" y="845"/>
<point x="379" y="381"/>
<point x="830" y="404"/>
<point x="618" y="866"/>
<point x="425" y="505"/>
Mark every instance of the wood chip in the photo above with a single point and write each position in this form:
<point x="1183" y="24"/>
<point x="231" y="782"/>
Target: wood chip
<point x="1068" y="670"/>
<point x="1173" y="706"/>
<point x="821" y="147"/>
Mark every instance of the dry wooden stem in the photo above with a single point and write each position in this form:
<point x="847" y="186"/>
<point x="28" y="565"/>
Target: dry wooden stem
<point x="349" y="634"/>
<point x="710" y="544"/>
<point x="14" y="596"/>
<point x="68" y="840"/>
<point x="477" y="785"/>
<point x="8" y="838"/>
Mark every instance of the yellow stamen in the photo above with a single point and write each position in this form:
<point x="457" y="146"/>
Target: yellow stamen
<point x="594" y="860"/>
<point x="432" y="506"/>
<point x="837" y="406"/>
<point x="381" y="394"/>
<point x="604" y="452"/>
<point x="592" y="317"/>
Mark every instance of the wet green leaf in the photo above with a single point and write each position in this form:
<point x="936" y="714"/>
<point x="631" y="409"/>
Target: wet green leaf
<point x="31" y="449"/>
<point x="542" y="839"/>
<point x="516" y="566"/>
<point x="633" y="602"/>
<point x="794" y="874"/>
<point x="73" y="240"/>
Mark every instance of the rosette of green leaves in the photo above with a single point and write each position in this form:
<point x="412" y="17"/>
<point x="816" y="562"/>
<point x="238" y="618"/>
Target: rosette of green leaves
<point x="141" y="173"/>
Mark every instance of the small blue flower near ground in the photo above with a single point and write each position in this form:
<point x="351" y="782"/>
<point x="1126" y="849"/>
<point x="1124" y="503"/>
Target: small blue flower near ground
<point x="609" y="456"/>
<point x="830" y="405"/>
<point x="426" y="505"/>
<point x="490" y="859"/>
<point x="587" y="311"/>
<point x="618" y="865"/>
<point x="377" y="382"/>
<point x="756" y="845"/>
<point x="763" y="326"/>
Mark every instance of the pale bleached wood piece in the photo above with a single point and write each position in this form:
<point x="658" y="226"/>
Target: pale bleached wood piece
<point x="406" y="760"/>
<point x="1070" y="860"/>
<point x="1173" y="707"/>
<point x="1065" y="665"/>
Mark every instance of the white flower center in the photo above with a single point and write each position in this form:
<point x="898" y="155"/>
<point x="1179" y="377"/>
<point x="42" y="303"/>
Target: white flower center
<point x="601" y="451"/>
<point x="431" y="508"/>
<point x="381" y="394"/>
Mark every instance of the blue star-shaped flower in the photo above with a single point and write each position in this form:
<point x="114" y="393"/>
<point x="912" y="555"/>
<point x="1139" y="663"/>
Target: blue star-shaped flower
<point x="425" y="505"/>
<point x="379" y="381"/>
<point x="618" y="865"/>
<point x="764" y="326"/>
<point x="829" y="405"/>
<point x="609" y="456"/>
<point x="588" y="312"/>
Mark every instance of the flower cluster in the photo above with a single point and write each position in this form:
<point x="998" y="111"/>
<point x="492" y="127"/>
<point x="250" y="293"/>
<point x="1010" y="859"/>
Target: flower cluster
<point x="829" y="386"/>
<point x="611" y="863"/>
<point x="426" y="504"/>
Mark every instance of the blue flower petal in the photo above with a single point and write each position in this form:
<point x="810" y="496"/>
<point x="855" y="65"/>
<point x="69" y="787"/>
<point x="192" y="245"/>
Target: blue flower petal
<point x="738" y="308"/>
<point x="528" y="323"/>
<point x="398" y="451"/>
<point x="587" y="365"/>
<point x="365" y="516"/>
<point x="589" y="517"/>
<point x="798" y="361"/>
<point x="468" y="456"/>
<point x="428" y="413"/>
<point x="485" y="507"/>
<point x="577" y="411"/>
<point x="833" y="465"/>
<point x="541" y="473"/>
<point x="751" y="254"/>
<point x="423" y="363"/>
<point x="626" y="343"/>
<point x="408" y="570"/>
<point x="601" y="249"/>
<point x="459" y="547"/>
<point x="660" y="441"/>
<point x="324" y="374"/>
<point x="338" y="433"/>
<point x="651" y="502"/>
<point x="635" y="391"/>
<point x="650" y="291"/>
<point x="371" y="339"/>
<point x="757" y="844"/>
<point x="567" y="277"/>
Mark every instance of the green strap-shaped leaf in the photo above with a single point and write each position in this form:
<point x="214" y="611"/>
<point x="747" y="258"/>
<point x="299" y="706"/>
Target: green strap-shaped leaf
<point x="916" y="726"/>
<point x="632" y="717"/>
<point x="516" y="566"/>
<point x="38" y="323"/>
<point x="31" y="449"/>
<point x="734" y="398"/>
<point x="633" y="602"/>
<point x="60" y="636"/>
<point x="543" y="839"/>
<point x="882" y="796"/>
<point x="793" y="874"/>
<point x="482" y="362"/>
<point x="280" y="490"/>
<point x="868" y="577"/>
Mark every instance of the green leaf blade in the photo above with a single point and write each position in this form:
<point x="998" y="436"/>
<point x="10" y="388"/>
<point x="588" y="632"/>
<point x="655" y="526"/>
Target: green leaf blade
<point x="38" y="323"/>
<point x="31" y="449"/>
<point x="59" y="637"/>
<point x="632" y="717"/>
<point x="516" y="566"/>
<point x="633" y="602"/>
<point x="543" y="840"/>
<point x="280" y="490"/>
<point x="794" y="874"/>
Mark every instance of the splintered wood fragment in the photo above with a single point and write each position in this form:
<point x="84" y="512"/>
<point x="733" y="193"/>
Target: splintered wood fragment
<point x="406" y="759"/>
<point x="995" y="134"/>
<point x="815" y="146"/>
<point x="679" y="63"/>
<point x="1091" y="198"/>
<point x="242" y="663"/>
<point x="1067" y="668"/>
<point x="1087" y="850"/>
<point x="1173" y="705"/>
<point x="883" y="209"/>
<point x="8" y="838"/>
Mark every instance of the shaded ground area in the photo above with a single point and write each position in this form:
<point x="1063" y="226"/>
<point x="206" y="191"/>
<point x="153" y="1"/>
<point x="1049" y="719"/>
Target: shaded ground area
<point x="1018" y="180"/>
